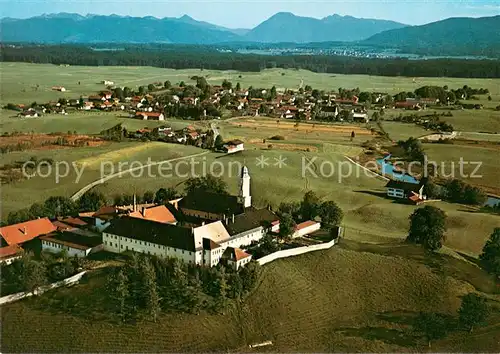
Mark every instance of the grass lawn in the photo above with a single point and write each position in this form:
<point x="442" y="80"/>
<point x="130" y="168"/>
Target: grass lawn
<point x="81" y="122"/>
<point x="448" y="157"/>
<point x="402" y="131"/>
<point x="467" y="120"/>
<point x="19" y="80"/>
<point x="351" y="298"/>
<point x="24" y="193"/>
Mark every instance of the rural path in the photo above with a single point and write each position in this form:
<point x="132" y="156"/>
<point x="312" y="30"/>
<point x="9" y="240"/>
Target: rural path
<point x="89" y="186"/>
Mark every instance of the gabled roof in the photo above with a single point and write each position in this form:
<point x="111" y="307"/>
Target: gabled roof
<point x="208" y="244"/>
<point x="406" y="186"/>
<point x="214" y="231"/>
<point x="235" y="254"/>
<point x="250" y="219"/>
<point x="234" y="142"/>
<point x="211" y="203"/>
<point x="148" y="114"/>
<point x="153" y="232"/>
<point x="158" y="213"/>
<point x="10" y="251"/>
<point x="74" y="221"/>
<point x="25" y="231"/>
<point x="305" y="224"/>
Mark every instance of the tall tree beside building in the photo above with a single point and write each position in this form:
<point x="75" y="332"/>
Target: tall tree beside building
<point x="32" y="273"/>
<point x="310" y="206"/>
<point x="119" y="293"/>
<point x="91" y="201"/>
<point x="149" y="289"/>
<point x="331" y="214"/>
<point x="427" y="227"/>
<point x="287" y="226"/>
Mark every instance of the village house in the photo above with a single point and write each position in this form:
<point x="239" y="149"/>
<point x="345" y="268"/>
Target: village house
<point x="59" y="88"/>
<point x="233" y="146"/>
<point x="149" y="115"/>
<point x="30" y="113"/>
<point x="405" y="190"/>
<point x="107" y="82"/>
<point x="360" y="117"/>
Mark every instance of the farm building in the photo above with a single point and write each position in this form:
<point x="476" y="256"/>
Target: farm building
<point x="107" y="82"/>
<point x="23" y="232"/>
<point x="306" y="228"/>
<point x="149" y="115"/>
<point x="233" y="146"/>
<point x="9" y="254"/>
<point x="59" y="88"/>
<point x="405" y="190"/>
<point x="75" y="243"/>
<point x="236" y="257"/>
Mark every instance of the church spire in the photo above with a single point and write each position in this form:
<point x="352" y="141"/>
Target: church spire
<point x="245" y="197"/>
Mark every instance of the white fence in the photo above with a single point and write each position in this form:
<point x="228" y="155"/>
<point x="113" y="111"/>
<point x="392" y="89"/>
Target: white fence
<point x="294" y="252"/>
<point x="68" y="281"/>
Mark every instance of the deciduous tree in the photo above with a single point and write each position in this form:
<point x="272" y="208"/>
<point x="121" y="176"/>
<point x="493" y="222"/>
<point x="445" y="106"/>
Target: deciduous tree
<point x="427" y="227"/>
<point x="473" y="311"/>
<point x="490" y="258"/>
<point x="331" y="214"/>
<point x="432" y="325"/>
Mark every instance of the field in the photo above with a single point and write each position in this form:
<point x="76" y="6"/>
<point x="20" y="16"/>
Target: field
<point x="365" y="302"/>
<point x="87" y="159"/>
<point x="360" y="296"/>
<point x="19" y="80"/>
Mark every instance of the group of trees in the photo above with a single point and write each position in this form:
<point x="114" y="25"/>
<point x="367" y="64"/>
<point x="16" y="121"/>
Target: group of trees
<point x="428" y="227"/>
<point x="457" y="191"/>
<point x="29" y="272"/>
<point x="473" y="312"/>
<point x="209" y="57"/>
<point x="147" y="285"/>
<point x="308" y="209"/>
<point x="413" y="149"/>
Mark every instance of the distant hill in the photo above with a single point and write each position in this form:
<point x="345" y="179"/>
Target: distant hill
<point x="282" y="27"/>
<point x="461" y="36"/>
<point x="73" y="28"/>
<point x="287" y="27"/>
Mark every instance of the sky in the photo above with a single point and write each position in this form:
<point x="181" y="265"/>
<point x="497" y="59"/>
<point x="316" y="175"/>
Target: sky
<point x="248" y="14"/>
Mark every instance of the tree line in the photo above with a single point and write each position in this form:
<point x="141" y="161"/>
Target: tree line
<point x="207" y="57"/>
<point x="148" y="285"/>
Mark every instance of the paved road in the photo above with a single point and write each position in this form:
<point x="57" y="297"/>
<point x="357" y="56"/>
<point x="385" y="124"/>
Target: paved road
<point x="89" y="186"/>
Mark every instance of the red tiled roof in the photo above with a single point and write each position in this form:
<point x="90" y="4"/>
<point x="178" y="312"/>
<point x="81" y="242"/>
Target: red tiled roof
<point x="25" y="231"/>
<point x="239" y="254"/>
<point x="148" y="114"/>
<point x="74" y="221"/>
<point x="61" y="226"/>
<point x="305" y="224"/>
<point x="10" y="251"/>
<point x="159" y="214"/>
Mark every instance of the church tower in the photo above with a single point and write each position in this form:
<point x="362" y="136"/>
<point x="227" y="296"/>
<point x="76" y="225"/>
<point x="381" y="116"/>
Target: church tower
<point x="244" y="196"/>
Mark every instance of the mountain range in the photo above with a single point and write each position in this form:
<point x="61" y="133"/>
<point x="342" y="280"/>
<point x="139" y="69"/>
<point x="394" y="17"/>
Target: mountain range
<point x="282" y="27"/>
<point x="453" y="36"/>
